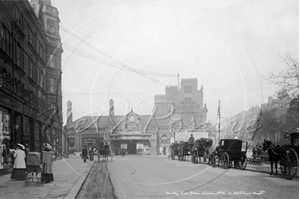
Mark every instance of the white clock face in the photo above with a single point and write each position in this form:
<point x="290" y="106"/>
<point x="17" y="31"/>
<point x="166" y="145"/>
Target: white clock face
<point x="131" y="118"/>
<point x="51" y="29"/>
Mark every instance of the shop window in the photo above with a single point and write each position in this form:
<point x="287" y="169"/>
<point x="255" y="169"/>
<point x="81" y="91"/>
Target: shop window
<point x="26" y="132"/>
<point x="5" y="156"/>
<point x="36" y="136"/>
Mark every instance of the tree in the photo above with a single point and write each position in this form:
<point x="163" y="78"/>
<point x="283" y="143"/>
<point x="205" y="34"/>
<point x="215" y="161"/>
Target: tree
<point x="269" y="124"/>
<point x="288" y="90"/>
<point x="287" y="79"/>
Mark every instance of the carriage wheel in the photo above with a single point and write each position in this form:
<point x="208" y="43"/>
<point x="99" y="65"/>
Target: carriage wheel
<point x="225" y="160"/>
<point x="290" y="164"/>
<point x="243" y="162"/>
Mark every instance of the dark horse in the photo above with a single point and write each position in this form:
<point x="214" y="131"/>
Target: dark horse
<point x="274" y="153"/>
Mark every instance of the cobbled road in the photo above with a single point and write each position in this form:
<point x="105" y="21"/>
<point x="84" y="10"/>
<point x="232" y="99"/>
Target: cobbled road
<point x="159" y="177"/>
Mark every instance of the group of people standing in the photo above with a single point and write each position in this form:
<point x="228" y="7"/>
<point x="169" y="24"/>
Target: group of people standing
<point x="85" y="153"/>
<point x="19" y="167"/>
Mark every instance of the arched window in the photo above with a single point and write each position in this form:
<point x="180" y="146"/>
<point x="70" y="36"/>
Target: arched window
<point x="164" y="139"/>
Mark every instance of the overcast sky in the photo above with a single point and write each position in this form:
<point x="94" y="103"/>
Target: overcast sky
<point x="130" y="50"/>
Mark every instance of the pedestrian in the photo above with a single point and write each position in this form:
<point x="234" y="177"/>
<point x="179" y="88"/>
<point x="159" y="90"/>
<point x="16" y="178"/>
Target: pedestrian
<point x="164" y="150"/>
<point x="123" y="151"/>
<point x="254" y="152"/>
<point x="26" y="151"/>
<point x="19" y="168"/>
<point x="84" y="153"/>
<point x="259" y="150"/>
<point x="47" y="161"/>
<point x="91" y="153"/>
<point x="191" y="139"/>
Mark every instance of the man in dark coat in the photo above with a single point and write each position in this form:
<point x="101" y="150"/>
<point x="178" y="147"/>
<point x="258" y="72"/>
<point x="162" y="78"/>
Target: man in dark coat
<point x="84" y="153"/>
<point x="191" y="139"/>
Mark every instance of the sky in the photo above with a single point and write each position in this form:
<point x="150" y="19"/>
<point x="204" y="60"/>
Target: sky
<point x="130" y="50"/>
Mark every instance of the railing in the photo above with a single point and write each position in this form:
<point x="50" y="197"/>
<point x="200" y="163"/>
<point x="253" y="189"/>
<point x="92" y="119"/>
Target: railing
<point x="6" y="81"/>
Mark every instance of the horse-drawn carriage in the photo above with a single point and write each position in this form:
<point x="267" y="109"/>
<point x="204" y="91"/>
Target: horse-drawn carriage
<point x="105" y="153"/>
<point x="201" y="149"/>
<point x="230" y="151"/>
<point x="287" y="155"/>
<point x="174" y="150"/>
<point x="184" y="149"/>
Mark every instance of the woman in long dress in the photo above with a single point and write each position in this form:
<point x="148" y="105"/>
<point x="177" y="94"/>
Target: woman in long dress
<point x="19" y="168"/>
<point x="47" y="160"/>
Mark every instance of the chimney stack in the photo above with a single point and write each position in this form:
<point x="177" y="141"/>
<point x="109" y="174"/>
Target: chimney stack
<point x="69" y="112"/>
<point x="111" y="108"/>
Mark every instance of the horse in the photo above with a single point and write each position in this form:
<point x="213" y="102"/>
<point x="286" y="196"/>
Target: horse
<point x="274" y="153"/>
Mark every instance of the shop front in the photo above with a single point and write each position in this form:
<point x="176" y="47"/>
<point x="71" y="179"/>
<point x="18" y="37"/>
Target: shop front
<point x="5" y="129"/>
<point x="20" y="123"/>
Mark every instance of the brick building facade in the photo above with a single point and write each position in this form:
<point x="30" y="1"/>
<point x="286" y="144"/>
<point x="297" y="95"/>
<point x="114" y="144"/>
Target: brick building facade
<point x="30" y="77"/>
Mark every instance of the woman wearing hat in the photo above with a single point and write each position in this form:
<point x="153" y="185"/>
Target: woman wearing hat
<point x="47" y="159"/>
<point x="19" y="168"/>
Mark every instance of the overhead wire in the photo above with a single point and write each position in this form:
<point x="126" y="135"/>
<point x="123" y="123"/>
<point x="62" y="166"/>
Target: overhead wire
<point x="124" y="66"/>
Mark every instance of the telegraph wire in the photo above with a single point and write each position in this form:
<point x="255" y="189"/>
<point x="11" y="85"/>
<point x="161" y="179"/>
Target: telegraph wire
<point x="123" y="66"/>
<point x="115" y="60"/>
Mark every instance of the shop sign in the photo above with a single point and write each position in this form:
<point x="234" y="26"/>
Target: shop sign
<point x="5" y="100"/>
<point x="89" y="132"/>
<point x="131" y="137"/>
<point x="10" y="102"/>
<point x="130" y="132"/>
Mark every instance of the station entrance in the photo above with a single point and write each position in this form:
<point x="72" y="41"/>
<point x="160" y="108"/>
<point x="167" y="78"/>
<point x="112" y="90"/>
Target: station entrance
<point x="131" y="146"/>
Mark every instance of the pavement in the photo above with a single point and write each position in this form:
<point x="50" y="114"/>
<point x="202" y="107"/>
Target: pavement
<point x="69" y="176"/>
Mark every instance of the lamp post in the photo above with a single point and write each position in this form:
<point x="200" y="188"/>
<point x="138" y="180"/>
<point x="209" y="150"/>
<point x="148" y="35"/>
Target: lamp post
<point x="219" y="115"/>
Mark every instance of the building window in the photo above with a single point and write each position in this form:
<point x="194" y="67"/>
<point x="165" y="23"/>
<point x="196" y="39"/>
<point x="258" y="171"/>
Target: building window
<point x="164" y="140"/>
<point x="17" y="16"/>
<point x="52" y="85"/>
<point x="34" y="68"/>
<point x="2" y="37"/>
<point x="30" y="67"/>
<point x="38" y="46"/>
<point x="52" y="61"/>
<point x="30" y="36"/>
<point x="18" y="54"/>
<point x="188" y="99"/>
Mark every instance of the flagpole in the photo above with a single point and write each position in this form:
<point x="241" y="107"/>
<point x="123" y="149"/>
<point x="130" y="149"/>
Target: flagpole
<point x="219" y="114"/>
